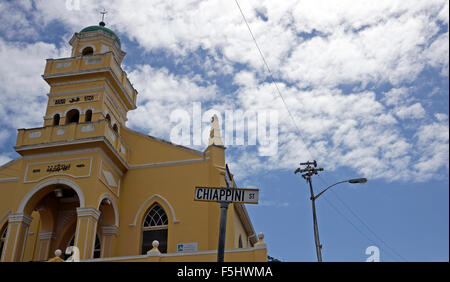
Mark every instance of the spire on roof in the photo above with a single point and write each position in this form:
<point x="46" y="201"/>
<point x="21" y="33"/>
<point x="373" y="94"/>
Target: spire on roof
<point x="104" y="12"/>
<point x="215" y="137"/>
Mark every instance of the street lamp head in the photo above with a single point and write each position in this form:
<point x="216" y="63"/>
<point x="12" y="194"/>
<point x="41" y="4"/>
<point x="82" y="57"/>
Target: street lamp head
<point x="358" y="180"/>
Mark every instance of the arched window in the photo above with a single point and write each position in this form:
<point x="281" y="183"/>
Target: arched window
<point x="97" y="247"/>
<point x="3" y="232"/>
<point x="73" y="116"/>
<point x="88" y="116"/>
<point x="108" y="118"/>
<point x="155" y="227"/>
<point x="240" y="242"/>
<point x="115" y="128"/>
<point x="88" y="51"/>
<point x="56" y="119"/>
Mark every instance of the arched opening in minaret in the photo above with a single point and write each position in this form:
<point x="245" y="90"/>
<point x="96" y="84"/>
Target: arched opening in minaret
<point x="108" y="119"/>
<point x="116" y="128"/>
<point x="88" y="116"/>
<point x="88" y="51"/>
<point x="56" y="119"/>
<point x="73" y="116"/>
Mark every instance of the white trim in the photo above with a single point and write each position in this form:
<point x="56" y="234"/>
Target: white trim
<point x="107" y="69"/>
<point x="54" y="114"/>
<point x="84" y="46"/>
<point x="56" y="94"/>
<point x="60" y="174"/>
<point x="45" y="235"/>
<point x="170" y="255"/>
<point x="108" y="230"/>
<point x="77" y="141"/>
<point x="181" y="162"/>
<point x="9" y="179"/>
<point x="113" y="203"/>
<point x="42" y="185"/>
<point x="88" y="212"/>
<point x="25" y="242"/>
<point x="156" y="196"/>
<point x="74" y="152"/>
<point x="108" y="94"/>
<point x="87" y="109"/>
<point x="19" y="217"/>
<point x="72" y="108"/>
<point x="99" y="176"/>
<point x="40" y="248"/>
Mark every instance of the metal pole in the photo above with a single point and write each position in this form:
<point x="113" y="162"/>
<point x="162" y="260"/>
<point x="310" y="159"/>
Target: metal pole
<point x="316" y="228"/>
<point x="222" y="231"/>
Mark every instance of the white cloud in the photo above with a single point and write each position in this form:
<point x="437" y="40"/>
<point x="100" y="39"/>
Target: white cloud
<point x="4" y="159"/>
<point x="434" y="150"/>
<point x="312" y="47"/>
<point x="23" y="89"/>
<point x="160" y="93"/>
<point x="414" y="111"/>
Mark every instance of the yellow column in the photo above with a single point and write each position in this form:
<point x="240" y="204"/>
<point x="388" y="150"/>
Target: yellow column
<point x="45" y="238"/>
<point x="109" y="235"/>
<point x="18" y="224"/>
<point x="86" y="231"/>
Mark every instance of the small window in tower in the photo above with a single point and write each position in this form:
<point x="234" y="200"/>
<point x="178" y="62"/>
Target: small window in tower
<point x="88" y="116"/>
<point x="56" y="119"/>
<point x="73" y="116"/>
<point x="108" y="119"/>
<point x="115" y="128"/>
<point x="240" y="242"/>
<point x="88" y="51"/>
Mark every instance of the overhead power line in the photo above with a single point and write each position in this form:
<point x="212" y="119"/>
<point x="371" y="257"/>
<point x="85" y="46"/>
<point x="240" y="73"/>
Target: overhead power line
<point x="303" y="140"/>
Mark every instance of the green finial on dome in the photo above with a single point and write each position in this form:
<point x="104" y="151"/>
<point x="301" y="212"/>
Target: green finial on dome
<point x="104" y="12"/>
<point x="101" y="26"/>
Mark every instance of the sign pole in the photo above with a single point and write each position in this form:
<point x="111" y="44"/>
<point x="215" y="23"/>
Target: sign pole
<point x="222" y="231"/>
<point x="225" y="196"/>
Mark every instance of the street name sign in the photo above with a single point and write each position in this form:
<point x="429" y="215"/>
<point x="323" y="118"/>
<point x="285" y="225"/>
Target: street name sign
<point x="224" y="194"/>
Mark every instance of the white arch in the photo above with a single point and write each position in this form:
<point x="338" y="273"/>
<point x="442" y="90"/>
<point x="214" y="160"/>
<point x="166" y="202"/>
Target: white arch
<point x="42" y="185"/>
<point x="156" y="196"/>
<point x="113" y="203"/>
<point x="57" y="113"/>
<point x="73" y="108"/>
<point x="87" y="109"/>
<point x="85" y="46"/>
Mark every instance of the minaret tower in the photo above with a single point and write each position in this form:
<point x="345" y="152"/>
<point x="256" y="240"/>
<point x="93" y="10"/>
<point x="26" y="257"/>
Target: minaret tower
<point x="90" y="95"/>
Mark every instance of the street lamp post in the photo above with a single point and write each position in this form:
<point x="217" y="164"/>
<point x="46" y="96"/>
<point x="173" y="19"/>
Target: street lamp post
<point x="309" y="171"/>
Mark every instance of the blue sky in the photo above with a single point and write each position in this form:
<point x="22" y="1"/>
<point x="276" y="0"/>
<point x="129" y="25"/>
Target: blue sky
<point x="366" y="83"/>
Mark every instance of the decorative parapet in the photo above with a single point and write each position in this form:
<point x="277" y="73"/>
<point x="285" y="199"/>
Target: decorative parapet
<point x="75" y="132"/>
<point x="255" y="254"/>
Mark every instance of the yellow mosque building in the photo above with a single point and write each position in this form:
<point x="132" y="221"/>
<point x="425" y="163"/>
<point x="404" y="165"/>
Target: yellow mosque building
<point x="86" y="180"/>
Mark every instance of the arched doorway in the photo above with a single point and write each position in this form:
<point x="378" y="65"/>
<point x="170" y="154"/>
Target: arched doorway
<point x="53" y="205"/>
